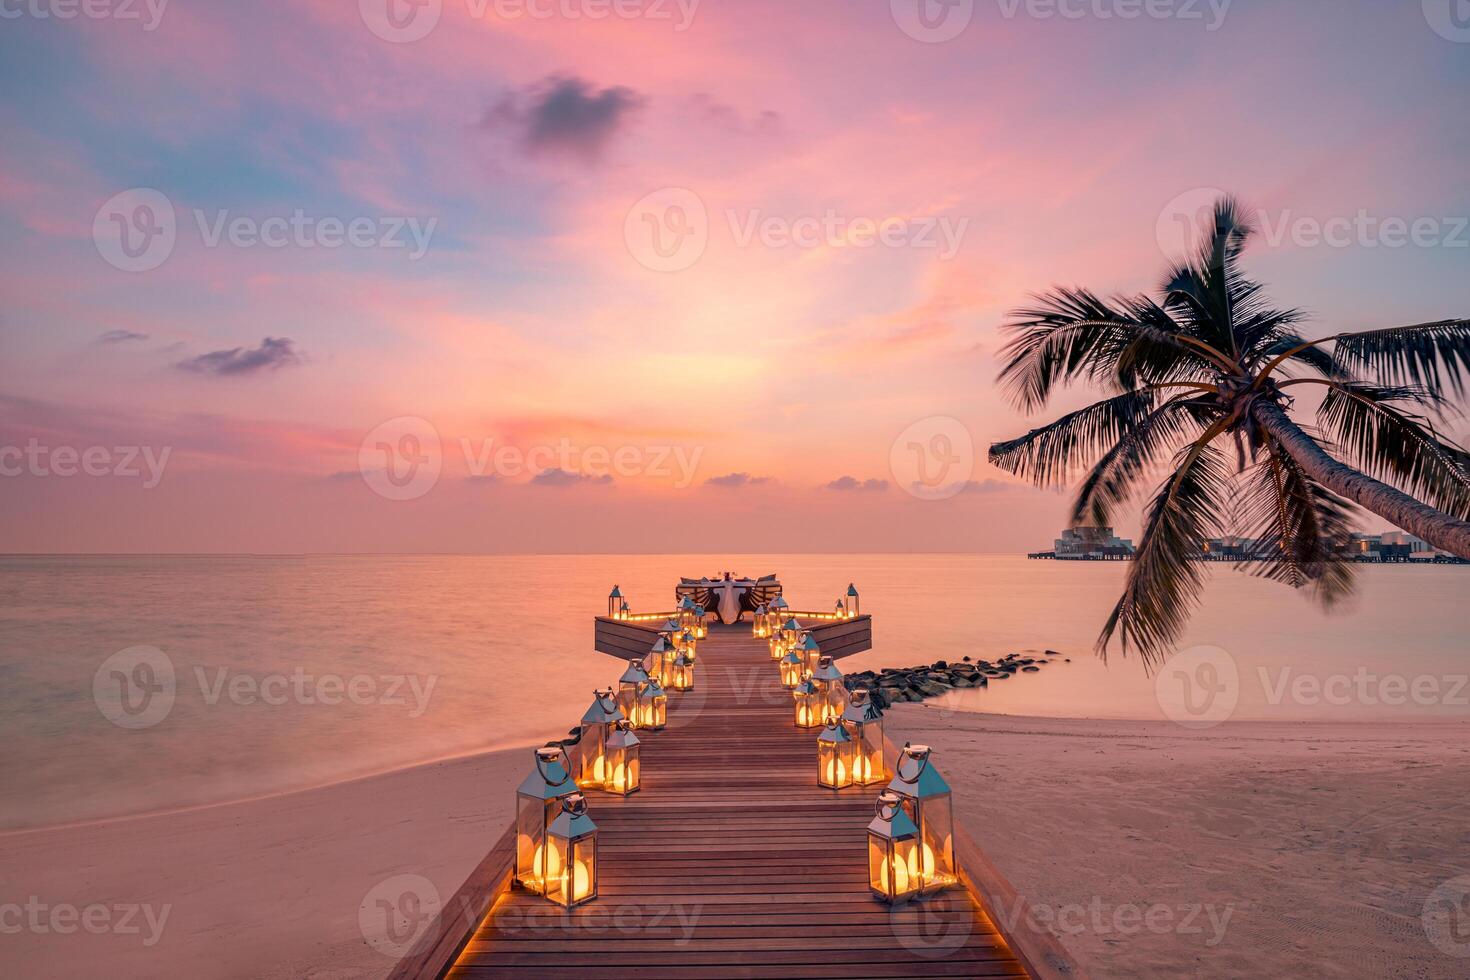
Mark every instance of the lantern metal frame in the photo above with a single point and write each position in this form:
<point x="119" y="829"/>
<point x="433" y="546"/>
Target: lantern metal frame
<point x="572" y="841"/>
<point x="929" y="803"/>
<point x="653" y="707"/>
<point x="893" y="852"/>
<point x="807" y="705"/>
<point x="592" y="742"/>
<point x="629" y="685"/>
<point x="828" y="678"/>
<point x="810" y="651"/>
<point x="624" y="761"/>
<point x="538" y="801"/>
<point x="850" y="601"/>
<point x="614" y="602"/>
<point x="835" y="757"/>
<point x="683" y="676"/>
<point x="791" y="668"/>
<point x="864" y="722"/>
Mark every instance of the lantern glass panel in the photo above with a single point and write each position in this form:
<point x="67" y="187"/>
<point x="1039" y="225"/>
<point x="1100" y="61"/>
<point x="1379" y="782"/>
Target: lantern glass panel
<point x="572" y="876"/>
<point x="624" y="769"/>
<point x="807" y="712"/>
<point x="532" y="818"/>
<point x="868" y="736"/>
<point x="893" y="868"/>
<point x="936" y="830"/>
<point x="834" y="763"/>
<point x="791" y="670"/>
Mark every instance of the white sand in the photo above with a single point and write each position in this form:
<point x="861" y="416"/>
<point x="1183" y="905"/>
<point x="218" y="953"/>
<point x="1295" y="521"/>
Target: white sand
<point x="1254" y="849"/>
<point x="1260" y="849"/>
<point x="268" y="888"/>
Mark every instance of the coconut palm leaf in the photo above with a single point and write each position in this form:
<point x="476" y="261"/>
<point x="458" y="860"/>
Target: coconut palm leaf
<point x="1392" y="445"/>
<point x="1201" y="363"/>
<point x="1431" y="354"/>
<point x="1299" y="528"/>
<point x="1046" y="455"/>
<point x="1115" y="478"/>
<point x="1164" y="579"/>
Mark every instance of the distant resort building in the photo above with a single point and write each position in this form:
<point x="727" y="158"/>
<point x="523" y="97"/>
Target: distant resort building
<point x="1086" y="543"/>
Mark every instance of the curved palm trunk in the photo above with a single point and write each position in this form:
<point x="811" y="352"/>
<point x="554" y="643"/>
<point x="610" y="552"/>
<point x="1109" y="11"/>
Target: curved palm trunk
<point x="1421" y="520"/>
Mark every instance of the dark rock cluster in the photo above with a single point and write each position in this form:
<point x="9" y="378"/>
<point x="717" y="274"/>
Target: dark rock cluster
<point x="894" y="684"/>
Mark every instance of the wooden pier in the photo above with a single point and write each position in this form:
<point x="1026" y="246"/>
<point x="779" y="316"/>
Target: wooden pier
<point x="732" y="863"/>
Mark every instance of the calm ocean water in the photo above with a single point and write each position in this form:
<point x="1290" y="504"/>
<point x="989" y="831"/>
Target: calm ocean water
<point x="292" y="672"/>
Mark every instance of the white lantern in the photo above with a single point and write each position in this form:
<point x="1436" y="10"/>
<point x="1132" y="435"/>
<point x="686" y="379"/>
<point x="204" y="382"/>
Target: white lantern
<point x="592" y="743"/>
<point x="833" y="692"/>
<point x="629" y="685"/>
<point x="538" y="801"/>
<point x="834" y="758"/>
<point x="864" y="722"/>
<point x="930" y="805"/>
<point x="571" y="844"/>
<point x="624" y="765"/>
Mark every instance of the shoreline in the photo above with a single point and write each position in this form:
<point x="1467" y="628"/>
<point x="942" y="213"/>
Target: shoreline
<point x="1166" y="727"/>
<point x="1297" y="829"/>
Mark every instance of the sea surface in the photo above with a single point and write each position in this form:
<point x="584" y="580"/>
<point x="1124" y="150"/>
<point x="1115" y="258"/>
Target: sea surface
<point x="137" y="684"/>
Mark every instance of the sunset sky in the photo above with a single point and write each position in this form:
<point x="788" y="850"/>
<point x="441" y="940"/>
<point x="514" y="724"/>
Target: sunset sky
<point x="706" y="269"/>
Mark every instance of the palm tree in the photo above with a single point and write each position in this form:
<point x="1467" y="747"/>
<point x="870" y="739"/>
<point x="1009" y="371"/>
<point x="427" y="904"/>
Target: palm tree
<point x="1203" y="374"/>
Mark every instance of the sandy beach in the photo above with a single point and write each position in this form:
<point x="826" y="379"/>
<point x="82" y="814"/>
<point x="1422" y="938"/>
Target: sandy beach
<point x="1248" y="850"/>
<point x="1252" y="849"/>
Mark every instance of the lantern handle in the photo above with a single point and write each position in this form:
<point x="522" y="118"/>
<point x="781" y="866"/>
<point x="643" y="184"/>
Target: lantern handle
<point x="888" y="806"/>
<point x="561" y="751"/>
<point x="923" y="763"/>
<point x="575" y="804"/>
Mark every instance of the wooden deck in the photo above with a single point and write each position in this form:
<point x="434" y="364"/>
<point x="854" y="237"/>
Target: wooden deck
<point x="731" y="862"/>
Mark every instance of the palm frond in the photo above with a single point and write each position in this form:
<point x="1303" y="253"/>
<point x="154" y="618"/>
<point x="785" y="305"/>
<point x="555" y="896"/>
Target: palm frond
<point x="1164" y="580"/>
<point x="1299" y="528"/>
<point x="1392" y="445"/>
<point x="1432" y="354"/>
<point x="1115" y="478"/>
<point x="1072" y="334"/>
<point x="1316" y="358"/>
<point x="1046" y="455"/>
